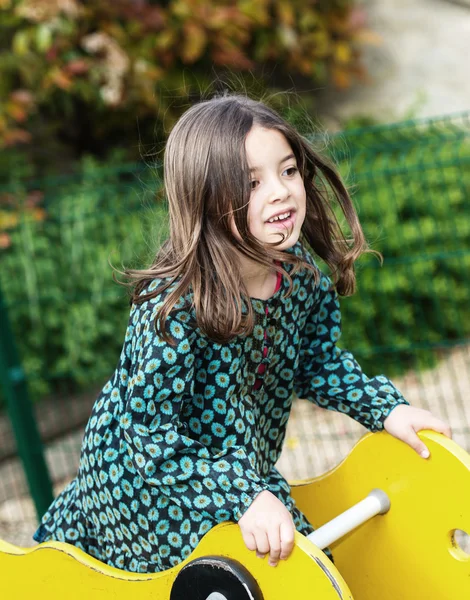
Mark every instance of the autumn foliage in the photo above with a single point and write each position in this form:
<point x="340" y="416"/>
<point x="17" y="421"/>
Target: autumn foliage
<point x="88" y="75"/>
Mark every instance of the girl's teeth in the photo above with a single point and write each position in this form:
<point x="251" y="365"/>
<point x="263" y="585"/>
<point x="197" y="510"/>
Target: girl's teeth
<point x="279" y="217"/>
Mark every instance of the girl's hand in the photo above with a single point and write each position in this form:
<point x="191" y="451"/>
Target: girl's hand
<point x="267" y="527"/>
<point x="404" y="421"/>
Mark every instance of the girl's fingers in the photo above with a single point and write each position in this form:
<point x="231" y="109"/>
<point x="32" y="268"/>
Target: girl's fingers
<point x="249" y="540"/>
<point x="287" y="534"/>
<point x="278" y="543"/>
<point x="252" y="544"/>
<point x="440" y="427"/>
<point x="262" y="544"/>
<point x="435" y="425"/>
<point x="274" y="546"/>
<point x="413" y="440"/>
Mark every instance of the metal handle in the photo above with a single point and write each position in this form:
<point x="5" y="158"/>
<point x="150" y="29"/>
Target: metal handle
<point x="375" y="503"/>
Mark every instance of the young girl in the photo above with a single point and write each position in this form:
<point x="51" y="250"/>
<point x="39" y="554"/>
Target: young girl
<point x="232" y="318"/>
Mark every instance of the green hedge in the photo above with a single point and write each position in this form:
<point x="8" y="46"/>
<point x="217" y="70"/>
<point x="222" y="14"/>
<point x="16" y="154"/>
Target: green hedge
<point x="412" y="188"/>
<point x="411" y="184"/>
<point x="68" y="315"/>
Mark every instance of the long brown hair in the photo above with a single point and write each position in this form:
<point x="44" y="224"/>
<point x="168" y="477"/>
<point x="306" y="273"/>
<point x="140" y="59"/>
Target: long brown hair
<point x="207" y="184"/>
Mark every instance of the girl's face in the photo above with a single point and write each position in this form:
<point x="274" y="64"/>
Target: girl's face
<point x="278" y="199"/>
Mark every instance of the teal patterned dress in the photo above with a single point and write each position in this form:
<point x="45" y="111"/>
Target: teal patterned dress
<point x="180" y="438"/>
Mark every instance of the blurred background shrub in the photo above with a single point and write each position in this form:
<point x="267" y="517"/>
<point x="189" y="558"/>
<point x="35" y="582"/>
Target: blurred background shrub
<point x="68" y="315"/>
<point x="83" y="77"/>
<point x="411" y="184"/>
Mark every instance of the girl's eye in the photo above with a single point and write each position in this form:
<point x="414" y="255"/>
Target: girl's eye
<point x="254" y="184"/>
<point x="291" y="171"/>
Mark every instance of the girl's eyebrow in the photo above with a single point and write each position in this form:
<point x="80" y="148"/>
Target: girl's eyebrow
<point x="288" y="157"/>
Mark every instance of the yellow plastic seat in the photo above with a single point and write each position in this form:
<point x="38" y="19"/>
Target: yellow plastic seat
<point x="408" y="553"/>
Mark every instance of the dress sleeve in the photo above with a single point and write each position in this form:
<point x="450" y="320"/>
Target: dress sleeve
<point x="331" y="377"/>
<point x="220" y="486"/>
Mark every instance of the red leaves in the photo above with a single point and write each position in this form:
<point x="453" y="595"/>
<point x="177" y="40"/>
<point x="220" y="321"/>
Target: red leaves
<point x="77" y="67"/>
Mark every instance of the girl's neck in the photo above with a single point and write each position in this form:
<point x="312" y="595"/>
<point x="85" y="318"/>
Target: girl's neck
<point x="259" y="281"/>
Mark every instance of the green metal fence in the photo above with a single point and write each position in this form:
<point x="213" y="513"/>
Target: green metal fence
<point x="409" y="319"/>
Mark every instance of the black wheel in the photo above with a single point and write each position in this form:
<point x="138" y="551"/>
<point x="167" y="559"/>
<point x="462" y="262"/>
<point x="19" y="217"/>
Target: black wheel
<point x="215" y="578"/>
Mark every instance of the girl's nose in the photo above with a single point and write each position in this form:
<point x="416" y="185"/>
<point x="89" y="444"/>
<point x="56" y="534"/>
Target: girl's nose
<point x="278" y="192"/>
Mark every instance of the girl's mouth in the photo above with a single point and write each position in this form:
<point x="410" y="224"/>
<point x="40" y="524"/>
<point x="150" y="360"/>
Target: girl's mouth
<point x="282" y="220"/>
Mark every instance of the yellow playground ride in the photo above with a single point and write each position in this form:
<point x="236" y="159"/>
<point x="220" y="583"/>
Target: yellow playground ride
<point x="409" y="550"/>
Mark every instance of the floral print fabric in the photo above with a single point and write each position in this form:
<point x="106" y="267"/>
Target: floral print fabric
<point x="180" y="439"/>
